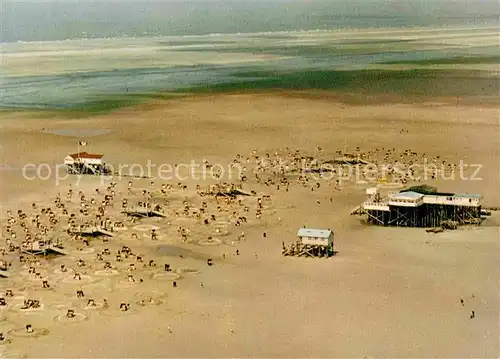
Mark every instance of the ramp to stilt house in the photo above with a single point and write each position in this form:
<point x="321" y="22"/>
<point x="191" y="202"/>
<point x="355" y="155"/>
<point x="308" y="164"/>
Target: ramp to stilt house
<point x="4" y="274"/>
<point x="358" y="210"/>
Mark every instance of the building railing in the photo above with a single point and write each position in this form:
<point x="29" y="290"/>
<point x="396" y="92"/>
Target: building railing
<point x="376" y="205"/>
<point x="454" y="201"/>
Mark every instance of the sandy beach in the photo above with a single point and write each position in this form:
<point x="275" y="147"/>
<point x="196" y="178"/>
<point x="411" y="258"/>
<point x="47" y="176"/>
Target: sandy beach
<point x="388" y="292"/>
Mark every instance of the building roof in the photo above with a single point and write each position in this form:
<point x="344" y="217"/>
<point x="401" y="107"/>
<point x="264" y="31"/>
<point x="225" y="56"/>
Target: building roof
<point x="408" y="195"/>
<point x="432" y="191"/>
<point x="423" y="189"/>
<point x="317" y="233"/>
<point x="86" y="155"/>
<point x="466" y="195"/>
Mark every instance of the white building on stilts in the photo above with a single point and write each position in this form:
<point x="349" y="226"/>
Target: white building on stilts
<point x="86" y="163"/>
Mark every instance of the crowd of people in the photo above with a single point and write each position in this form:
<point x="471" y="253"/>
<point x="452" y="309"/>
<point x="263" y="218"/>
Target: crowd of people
<point x="203" y="212"/>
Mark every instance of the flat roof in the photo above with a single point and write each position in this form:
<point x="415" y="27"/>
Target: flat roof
<point x="427" y="190"/>
<point x="86" y="155"/>
<point x="317" y="233"/>
<point x="467" y="195"/>
<point x="408" y="195"/>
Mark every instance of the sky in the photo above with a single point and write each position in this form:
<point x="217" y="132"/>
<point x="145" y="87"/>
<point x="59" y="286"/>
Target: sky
<point x="36" y="20"/>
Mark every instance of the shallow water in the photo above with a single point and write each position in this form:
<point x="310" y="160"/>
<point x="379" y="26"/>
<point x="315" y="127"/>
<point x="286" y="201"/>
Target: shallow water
<point x="78" y="132"/>
<point x="101" y="74"/>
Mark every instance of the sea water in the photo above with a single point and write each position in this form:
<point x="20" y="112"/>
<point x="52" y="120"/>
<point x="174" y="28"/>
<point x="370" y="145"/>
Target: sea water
<point x="79" y="72"/>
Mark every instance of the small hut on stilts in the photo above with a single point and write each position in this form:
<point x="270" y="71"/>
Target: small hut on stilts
<point x="311" y="243"/>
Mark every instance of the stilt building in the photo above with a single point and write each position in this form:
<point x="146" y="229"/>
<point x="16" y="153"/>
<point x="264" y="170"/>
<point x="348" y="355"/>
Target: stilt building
<point x="311" y="243"/>
<point x="421" y="206"/>
<point x="86" y="163"/>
